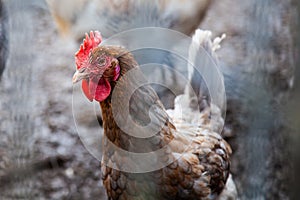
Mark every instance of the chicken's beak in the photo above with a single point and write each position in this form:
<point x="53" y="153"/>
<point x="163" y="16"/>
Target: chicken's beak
<point x="78" y="76"/>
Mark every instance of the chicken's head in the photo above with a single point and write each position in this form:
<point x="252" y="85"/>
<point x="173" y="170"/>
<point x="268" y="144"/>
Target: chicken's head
<point x="95" y="67"/>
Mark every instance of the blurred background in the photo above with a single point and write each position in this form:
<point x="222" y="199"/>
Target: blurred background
<point x="41" y="154"/>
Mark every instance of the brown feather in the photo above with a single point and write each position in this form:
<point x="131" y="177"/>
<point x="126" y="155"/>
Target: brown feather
<point x="202" y="165"/>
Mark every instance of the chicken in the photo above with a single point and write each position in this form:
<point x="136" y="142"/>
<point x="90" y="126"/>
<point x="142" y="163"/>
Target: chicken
<point x="3" y="37"/>
<point x="73" y="18"/>
<point x="194" y="161"/>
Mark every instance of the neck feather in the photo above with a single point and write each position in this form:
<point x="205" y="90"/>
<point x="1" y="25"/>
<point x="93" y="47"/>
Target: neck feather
<point x="140" y="107"/>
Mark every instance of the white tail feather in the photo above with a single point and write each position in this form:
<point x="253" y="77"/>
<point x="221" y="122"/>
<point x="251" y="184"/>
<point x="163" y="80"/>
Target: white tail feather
<point x="183" y="111"/>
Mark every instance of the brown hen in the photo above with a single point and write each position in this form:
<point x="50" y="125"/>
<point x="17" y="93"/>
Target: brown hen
<point x="194" y="161"/>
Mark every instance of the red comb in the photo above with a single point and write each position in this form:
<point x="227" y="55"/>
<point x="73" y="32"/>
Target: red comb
<point x="89" y="43"/>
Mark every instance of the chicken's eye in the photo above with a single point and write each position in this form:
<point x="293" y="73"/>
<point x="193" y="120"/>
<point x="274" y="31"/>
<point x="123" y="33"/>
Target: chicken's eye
<point x="101" y="62"/>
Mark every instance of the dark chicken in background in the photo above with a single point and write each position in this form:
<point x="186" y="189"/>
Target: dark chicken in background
<point x="258" y="62"/>
<point x="3" y="37"/>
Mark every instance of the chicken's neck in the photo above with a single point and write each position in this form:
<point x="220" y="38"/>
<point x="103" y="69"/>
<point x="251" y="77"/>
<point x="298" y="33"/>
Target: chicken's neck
<point x="133" y="117"/>
<point x="136" y="131"/>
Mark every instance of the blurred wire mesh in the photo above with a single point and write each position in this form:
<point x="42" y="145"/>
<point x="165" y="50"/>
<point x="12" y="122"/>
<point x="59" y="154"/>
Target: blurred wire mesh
<point x="41" y="156"/>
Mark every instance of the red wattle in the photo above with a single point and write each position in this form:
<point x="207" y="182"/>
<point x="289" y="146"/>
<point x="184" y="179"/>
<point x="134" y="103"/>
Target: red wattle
<point x="86" y="89"/>
<point x="98" y="91"/>
<point x="102" y="90"/>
